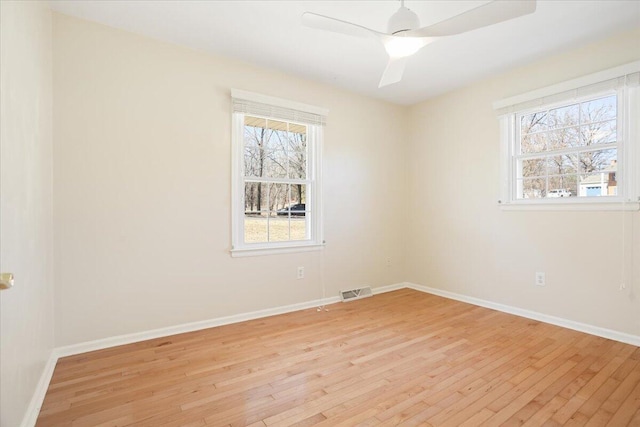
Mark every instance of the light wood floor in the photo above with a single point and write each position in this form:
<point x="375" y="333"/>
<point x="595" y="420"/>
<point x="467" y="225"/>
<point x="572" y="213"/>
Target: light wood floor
<point x="401" y="358"/>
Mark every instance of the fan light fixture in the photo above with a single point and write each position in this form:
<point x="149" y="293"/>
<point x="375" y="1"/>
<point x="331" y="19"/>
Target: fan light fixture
<point x="405" y="37"/>
<point x="401" y="47"/>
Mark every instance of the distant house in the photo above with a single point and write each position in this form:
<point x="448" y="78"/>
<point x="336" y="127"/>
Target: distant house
<point x="602" y="183"/>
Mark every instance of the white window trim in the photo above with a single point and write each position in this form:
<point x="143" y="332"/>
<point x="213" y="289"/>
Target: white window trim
<point x="314" y="164"/>
<point x="629" y="146"/>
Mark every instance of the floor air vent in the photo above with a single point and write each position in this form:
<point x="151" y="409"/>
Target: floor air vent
<point x="354" y="294"/>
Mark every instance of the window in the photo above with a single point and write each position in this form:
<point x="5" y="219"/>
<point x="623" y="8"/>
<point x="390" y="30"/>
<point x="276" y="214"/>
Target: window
<point x="276" y="175"/>
<point x="567" y="150"/>
<point x="577" y="144"/>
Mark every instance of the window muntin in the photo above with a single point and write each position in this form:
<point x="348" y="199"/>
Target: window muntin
<point x="568" y="150"/>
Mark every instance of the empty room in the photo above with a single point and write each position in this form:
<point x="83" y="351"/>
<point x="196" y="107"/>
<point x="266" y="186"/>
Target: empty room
<point x="279" y="213"/>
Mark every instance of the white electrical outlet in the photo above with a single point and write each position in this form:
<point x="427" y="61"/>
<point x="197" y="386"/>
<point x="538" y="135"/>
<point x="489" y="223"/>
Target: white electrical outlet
<point x="300" y="272"/>
<point x="540" y="279"/>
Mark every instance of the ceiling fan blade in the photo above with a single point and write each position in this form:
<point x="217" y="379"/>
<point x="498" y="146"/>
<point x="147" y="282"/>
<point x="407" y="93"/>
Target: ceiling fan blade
<point x="393" y="72"/>
<point x="321" y="22"/>
<point x="482" y="16"/>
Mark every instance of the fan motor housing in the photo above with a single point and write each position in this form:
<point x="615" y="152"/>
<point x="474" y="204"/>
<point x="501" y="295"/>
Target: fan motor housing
<point x="403" y="20"/>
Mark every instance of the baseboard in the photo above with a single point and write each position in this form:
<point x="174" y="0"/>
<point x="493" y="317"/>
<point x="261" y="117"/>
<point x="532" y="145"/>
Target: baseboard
<point x="205" y="324"/>
<point x="388" y="288"/>
<point x="534" y="315"/>
<point x="196" y="326"/>
<point x="33" y="410"/>
<point x="187" y="327"/>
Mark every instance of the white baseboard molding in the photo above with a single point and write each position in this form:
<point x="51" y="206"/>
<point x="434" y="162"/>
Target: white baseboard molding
<point x="101" y="344"/>
<point x="33" y="410"/>
<point x="388" y="288"/>
<point x="534" y="315"/>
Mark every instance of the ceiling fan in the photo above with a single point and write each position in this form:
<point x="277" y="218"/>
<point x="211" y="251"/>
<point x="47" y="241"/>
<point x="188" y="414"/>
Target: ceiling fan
<point x="404" y="37"/>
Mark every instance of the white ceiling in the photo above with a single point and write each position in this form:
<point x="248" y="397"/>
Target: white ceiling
<point x="269" y="33"/>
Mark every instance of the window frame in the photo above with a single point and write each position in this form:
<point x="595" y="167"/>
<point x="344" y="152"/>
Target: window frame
<point x="607" y="82"/>
<point x="284" y="110"/>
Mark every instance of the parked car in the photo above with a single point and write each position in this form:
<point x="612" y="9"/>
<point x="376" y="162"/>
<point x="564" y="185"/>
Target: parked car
<point x="296" y="210"/>
<point x="559" y="192"/>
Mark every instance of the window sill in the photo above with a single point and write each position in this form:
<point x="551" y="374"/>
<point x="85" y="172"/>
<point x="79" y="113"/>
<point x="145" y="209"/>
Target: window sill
<point x="570" y="206"/>
<point x="245" y="252"/>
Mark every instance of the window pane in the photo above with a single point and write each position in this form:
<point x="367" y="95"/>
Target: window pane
<point x="602" y="180"/>
<point x="259" y="159"/>
<point x="277" y="137"/>
<point x="298" y="194"/>
<point x="278" y="227"/>
<point x="255" y="212"/>
<point x="562" y="186"/>
<point x="264" y="133"/>
<point x="259" y="134"/>
<point x="275" y="164"/>
<point x="255" y="132"/>
<point x="563" y="116"/>
<point x="593" y="161"/>
<point x="532" y="188"/>
<point x="278" y="196"/>
<point x="298" y="154"/>
<point x="295" y="201"/>
<point x="299" y="227"/>
<point x="534" y="167"/>
<point x="534" y="143"/>
<point x="535" y="122"/>
<point x="252" y="161"/>
<point x="262" y="163"/>
<point x="599" y="133"/>
<point x="599" y="109"/>
<point x="255" y="198"/>
<point x="255" y="229"/>
<point x="562" y="165"/>
<point x="598" y="185"/>
<point x="560" y="139"/>
<point x="601" y="173"/>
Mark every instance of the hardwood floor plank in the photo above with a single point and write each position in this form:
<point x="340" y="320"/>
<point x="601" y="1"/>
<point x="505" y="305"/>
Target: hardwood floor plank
<point x="606" y="364"/>
<point x="626" y="411"/>
<point x="401" y="358"/>
<point x="541" y="416"/>
<point x="544" y="377"/>
<point x="539" y="405"/>
<point x="635" y="420"/>
<point x="478" y="418"/>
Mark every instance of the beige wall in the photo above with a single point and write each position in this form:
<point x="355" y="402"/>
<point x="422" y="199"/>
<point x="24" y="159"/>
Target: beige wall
<point x="460" y="241"/>
<point x="142" y="188"/>
<point x="26" y="310"/>
<point x="142" y="184"/>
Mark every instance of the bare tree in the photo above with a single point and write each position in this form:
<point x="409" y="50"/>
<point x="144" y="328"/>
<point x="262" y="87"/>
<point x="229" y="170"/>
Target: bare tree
<point x="298" y="160"/>
<point x="254" y="159"/>
<point x="587" y="124"/>
<point x="276" y="150"/>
